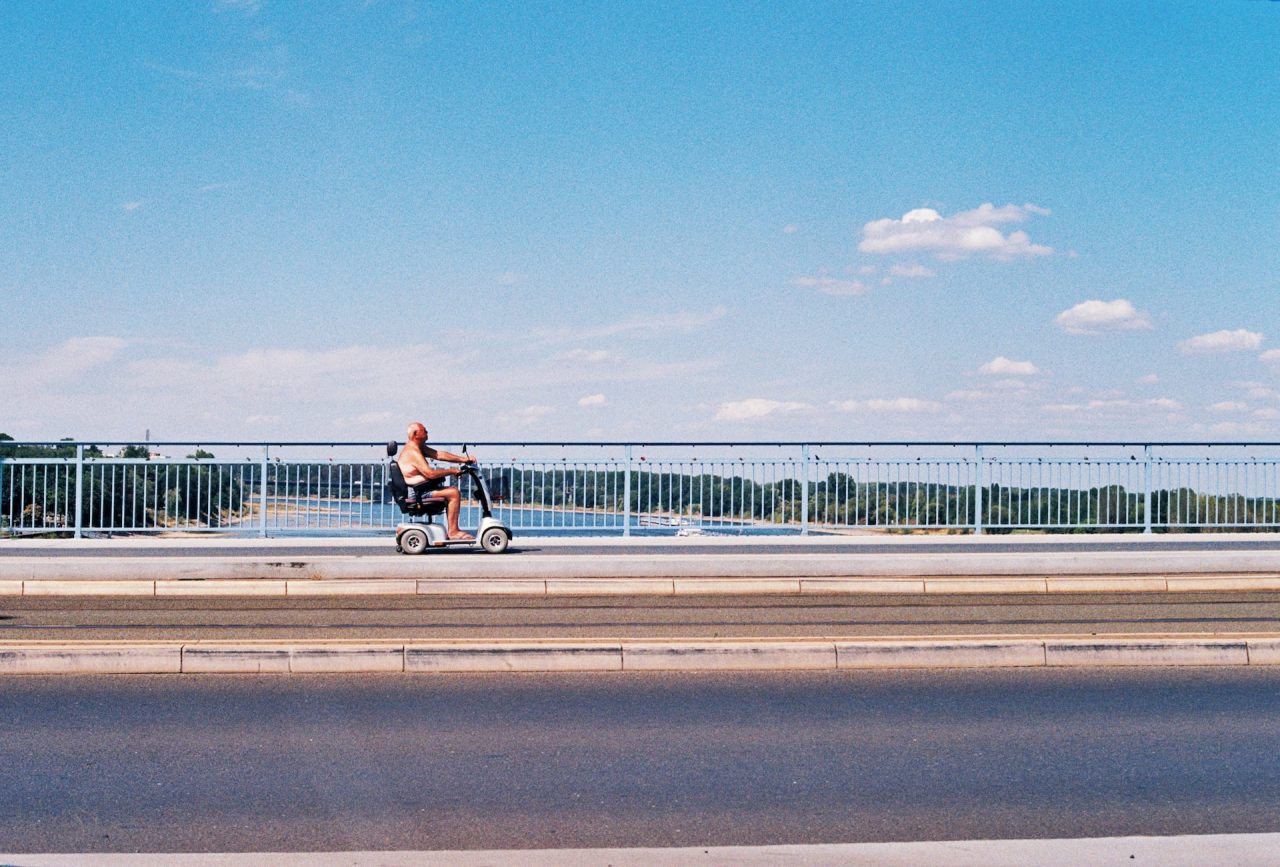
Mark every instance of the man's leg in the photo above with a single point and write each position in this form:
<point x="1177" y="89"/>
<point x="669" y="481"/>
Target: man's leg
<point x="452" y="506"/>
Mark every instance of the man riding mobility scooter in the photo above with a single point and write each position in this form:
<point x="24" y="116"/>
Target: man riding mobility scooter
<point x="416" y="536"/>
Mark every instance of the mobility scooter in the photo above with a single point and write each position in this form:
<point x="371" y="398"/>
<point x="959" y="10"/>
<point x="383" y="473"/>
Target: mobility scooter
<point x="416" y="536"/>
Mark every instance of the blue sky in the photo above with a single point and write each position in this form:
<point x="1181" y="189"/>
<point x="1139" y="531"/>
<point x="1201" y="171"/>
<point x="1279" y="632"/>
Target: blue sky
<point x="940" y="221"/>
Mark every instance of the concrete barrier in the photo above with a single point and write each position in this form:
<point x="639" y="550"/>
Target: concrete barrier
<point x="395" y="656"/>
<point x="91" y="658"/>
<point x="728" y="655"/>
<point x="1130" y="651"/>
<point x="940" y="654"/>
<point x="513" y="656"/>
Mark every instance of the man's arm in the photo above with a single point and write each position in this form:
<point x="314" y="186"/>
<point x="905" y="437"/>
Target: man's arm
<point x="448" y="456"/>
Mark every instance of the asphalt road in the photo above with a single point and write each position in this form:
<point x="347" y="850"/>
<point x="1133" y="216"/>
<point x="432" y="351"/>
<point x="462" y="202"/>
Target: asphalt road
<point x="436" y="617"/>
<point x="170" y="764"/>
<point x="586" y="548"/>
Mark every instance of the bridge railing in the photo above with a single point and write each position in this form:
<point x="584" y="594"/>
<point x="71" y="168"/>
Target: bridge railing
<point x="280" y="489"/>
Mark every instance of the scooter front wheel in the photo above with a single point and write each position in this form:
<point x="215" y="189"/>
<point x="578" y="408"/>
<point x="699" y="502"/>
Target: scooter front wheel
<point x="494" y="540"/>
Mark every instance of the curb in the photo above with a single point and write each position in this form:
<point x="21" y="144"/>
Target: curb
<point x="836" y="654"/>
<point x="316" y="586"/>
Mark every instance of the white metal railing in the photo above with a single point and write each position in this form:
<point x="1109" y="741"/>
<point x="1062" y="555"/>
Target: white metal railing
<point x="272" y="489"/>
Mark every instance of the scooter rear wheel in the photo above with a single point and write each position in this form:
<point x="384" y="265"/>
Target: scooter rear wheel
<point x="413" y="541"/>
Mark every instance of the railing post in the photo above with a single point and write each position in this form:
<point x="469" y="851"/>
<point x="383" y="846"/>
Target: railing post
<point x="262" y="493"/>
<point x="79" y="486"/>
<point x="626" y="493"/>
<point x="977" y="492"/>
<point x="1146" y="484"/>
<point x="804" y="490"/>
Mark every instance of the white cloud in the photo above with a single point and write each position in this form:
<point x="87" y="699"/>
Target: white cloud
<point x="968" y="233"/>
<point x="683" y="322"/>
<point x="376" y="419"/>
<point x="527" y="416"/>
<point x="248" y="8"/>
<point x="1227" y="428"/>
<point x="510" y="278"/>
<point x="72" y="358"/>
<point x="1149" y="379"/>
<point x="969" y="394"/>
<point x="1268" y="413"/>
<point x="1001" y="366"/>
<point x="591" y="400"/>
<point x="592" y="356"/>
<point x="131" y="206"/>
<point x="790" y="229"/>
<point x="1228" y="406"/>
<point x="754" y="408"/>
<point x="831" y="285"/>
<point x="1238" y="340"/>
<point x="1271" y="356"/>
<point x="912" y="270"/>
<point x="1105" y="404"/>
<point x="1094" y="317"/>
<point x="887" y="405"/>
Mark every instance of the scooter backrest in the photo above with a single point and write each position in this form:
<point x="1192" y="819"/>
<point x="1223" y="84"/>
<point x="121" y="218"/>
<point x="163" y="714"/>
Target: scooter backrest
<point x="395" y="482"/>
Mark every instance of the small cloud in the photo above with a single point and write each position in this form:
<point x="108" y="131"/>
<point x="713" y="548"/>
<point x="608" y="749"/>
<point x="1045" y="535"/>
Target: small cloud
<point x="131" y="206"/>
<point x="867" y="270"/>
<point x="969" y="394"/>
<point x="1164" y="403"/>
<point x="248" y="8"/>
<point x="1238" y="340"/>
<point x="510" y="278"/>
<point x="591" y="400"/>
<point x="527" y="416"/>
<point x="912" y="270"/>
<point x="1228" y="428"/>
<point x="831" y="285"/>
<point x="1095" y="317"/>
<point x="591" y="356"/>
<point x="965" y="234"/>
<point x="74" y="357"/>
<point x="790" y="229"/>
<point x="1149" y="379"/>
<point x="664" y="325"/>
<point x="1228" y="406"/>
<point x="1001" y="366"/>
<point x="262" y="420"/>
<point x="1271" y="356"/>
<point x="1062" y="408"/>
<point x="755" y="408"/>
<point x="1268" y="413"/>
<point x="887" y="405"/>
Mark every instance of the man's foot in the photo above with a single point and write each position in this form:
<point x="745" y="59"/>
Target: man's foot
<point x="460" y="536"/>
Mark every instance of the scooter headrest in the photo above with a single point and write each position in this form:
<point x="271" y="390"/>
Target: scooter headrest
<point x="392" y="448"/>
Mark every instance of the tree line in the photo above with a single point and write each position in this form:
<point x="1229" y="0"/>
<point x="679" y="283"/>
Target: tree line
<point x="127" y="495"/>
